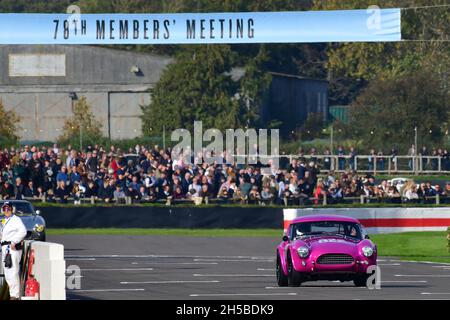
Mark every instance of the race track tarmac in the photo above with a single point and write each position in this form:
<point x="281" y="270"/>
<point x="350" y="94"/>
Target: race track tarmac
<point x="193" y="268"/>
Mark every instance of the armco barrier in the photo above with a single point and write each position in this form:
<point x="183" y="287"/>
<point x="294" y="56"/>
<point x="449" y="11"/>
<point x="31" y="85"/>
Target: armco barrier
<point x="162" y="217"/>
<point x="383" y="220"/>
<point x="377" y="220"/>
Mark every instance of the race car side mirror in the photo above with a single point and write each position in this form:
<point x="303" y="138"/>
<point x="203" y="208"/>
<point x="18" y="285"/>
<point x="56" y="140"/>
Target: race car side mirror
<point x="285" y="238"/>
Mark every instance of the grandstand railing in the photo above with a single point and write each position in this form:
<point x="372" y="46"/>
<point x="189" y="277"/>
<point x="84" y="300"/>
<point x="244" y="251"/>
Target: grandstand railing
<point x="282" y="202"/>
<point x="385" y="164"/>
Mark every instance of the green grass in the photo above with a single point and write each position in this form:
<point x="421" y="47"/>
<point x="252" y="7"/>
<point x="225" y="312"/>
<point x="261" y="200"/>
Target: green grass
<point x="415" y="246"/>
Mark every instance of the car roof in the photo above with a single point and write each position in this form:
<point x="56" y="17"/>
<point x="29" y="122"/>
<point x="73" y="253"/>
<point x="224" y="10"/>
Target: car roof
<point x="316" y="218"/>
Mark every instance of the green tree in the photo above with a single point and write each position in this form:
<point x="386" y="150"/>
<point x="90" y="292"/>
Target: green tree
<point x="37" y="6"/>
<point x="82" y="123"/>
<point x="388" y="110"/>
<point x="254" y="87"/>
<point x="9" y="126"/>
<point x="313" y="127"/>
<point x="364" y="62"/>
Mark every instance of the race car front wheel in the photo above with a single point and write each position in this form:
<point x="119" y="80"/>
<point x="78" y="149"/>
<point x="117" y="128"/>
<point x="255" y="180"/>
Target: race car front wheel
<point x="282" y="279"/>
<point x="294" y="277"/>
<point x="361" y="280"/>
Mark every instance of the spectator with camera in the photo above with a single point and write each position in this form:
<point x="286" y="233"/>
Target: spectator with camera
<point x="335" y="193"/>
<point x="224" y="194"/>
<point x="254" y="196"/>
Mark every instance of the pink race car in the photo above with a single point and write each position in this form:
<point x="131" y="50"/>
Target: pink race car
<point x="325" y="248"/>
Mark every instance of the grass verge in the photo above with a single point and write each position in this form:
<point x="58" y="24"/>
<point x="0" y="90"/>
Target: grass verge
<point x="414" y="246"/>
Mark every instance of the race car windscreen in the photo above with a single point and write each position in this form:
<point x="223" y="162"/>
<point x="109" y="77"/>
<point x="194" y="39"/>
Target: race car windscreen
<point x="348" y="229"/>
<point x="22" y="208"/>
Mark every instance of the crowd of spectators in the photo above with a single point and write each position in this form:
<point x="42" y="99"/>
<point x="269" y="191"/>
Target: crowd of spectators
<point x="151" y="175"/>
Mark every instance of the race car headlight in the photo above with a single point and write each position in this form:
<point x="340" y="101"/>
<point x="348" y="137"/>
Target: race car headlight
<point x="303" y="252"/>
<point x="39" y="228"/>
<point x="367" y="251"/>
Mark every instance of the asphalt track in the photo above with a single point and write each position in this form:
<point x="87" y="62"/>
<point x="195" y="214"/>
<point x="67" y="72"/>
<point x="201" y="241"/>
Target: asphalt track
<point x="192" y="268"/>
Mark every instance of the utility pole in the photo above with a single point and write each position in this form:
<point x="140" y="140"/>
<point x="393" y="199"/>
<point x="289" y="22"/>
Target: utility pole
<point x="415" y="165"/>
<point x="81" y="136"/>
<point x="73" y="96"/>
<point x="164" y="137"/>
<point x="332" y="139"/>
<point x="415" y="141"/>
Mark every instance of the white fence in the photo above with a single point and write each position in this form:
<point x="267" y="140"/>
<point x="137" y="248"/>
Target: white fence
<point x="385" y="164"/>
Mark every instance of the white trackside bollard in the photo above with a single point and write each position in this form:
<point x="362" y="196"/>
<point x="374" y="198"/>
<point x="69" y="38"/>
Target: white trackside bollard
<point x="50" y="270"/>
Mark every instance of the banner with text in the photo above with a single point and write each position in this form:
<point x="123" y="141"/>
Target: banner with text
<point x="371" y="25"/>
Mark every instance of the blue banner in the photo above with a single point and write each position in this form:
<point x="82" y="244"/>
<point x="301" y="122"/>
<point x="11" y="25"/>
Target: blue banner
<point x="371" y="25"/>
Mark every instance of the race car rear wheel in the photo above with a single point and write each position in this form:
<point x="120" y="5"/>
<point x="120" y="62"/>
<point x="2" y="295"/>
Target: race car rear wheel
<point x="294" y="277"/>
<point x="282" y="279"/>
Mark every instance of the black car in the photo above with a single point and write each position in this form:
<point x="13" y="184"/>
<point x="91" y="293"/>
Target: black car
<point x="31" y="218"/>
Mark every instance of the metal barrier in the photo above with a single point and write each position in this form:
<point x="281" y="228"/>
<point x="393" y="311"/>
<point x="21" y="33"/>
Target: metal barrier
<point x="385" y="164"/>
<point x="282" y="202"/>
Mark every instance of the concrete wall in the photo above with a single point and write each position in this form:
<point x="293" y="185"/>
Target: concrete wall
<point x="85" y="65"/>
<point x="43" y="114"/>
<point x="125" y="112"/>
<point x="102" y="75"/>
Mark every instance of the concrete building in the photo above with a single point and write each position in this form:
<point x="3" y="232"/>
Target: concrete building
<point x="41" y="84"/>
<point x="292" y="98"/>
